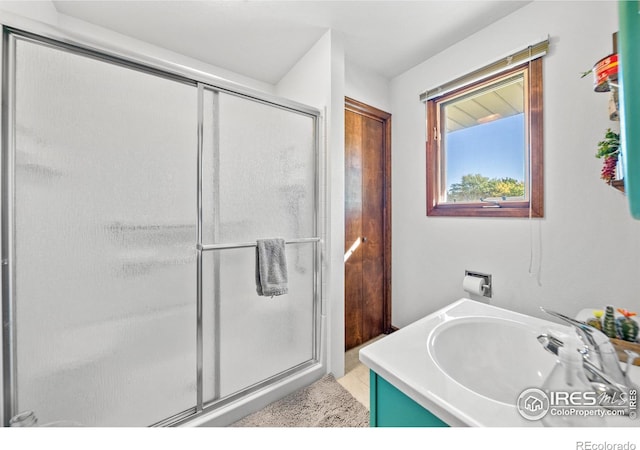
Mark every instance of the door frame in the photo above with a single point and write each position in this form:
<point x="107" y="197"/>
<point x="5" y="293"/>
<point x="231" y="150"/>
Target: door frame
<point x="371" y="112"/>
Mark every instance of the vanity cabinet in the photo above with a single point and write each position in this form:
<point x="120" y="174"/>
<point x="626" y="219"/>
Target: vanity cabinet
<point x="389" y="407"/>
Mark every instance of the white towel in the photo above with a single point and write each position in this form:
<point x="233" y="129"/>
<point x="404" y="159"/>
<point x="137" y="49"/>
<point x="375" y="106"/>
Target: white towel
<point x="271" y="267"/>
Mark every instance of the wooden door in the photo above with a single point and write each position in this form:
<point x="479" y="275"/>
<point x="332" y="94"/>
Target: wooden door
<point x="367" y="223"/>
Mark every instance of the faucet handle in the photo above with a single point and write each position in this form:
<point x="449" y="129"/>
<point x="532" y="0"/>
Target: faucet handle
<point x="600" y="358"/>
<point x="553" y="340"/>
<point x="550" y="343"/>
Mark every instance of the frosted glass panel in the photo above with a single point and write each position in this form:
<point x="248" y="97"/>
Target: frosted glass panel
<point x="259" y="168"/>
<point x="267" y="171"/>
<point x="262" y="336"/>
<point x="211" y="260"/>
<point x="105" y="232"/>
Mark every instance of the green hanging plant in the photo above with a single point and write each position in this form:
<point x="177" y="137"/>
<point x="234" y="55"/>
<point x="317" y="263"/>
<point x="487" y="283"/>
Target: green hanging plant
<point x="609" y="150"/>
<point x="584" y="74"/>
<point x="609" y="145"/>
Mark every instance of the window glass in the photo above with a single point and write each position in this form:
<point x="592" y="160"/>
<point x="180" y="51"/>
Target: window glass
<point x="485" y="147"/>
<point x="484" y="144"/>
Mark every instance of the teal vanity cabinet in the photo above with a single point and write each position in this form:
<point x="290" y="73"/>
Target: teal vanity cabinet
<point x="391" y="408"/>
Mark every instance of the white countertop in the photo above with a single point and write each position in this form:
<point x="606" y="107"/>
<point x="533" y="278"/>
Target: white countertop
<point x="402" y="358"/>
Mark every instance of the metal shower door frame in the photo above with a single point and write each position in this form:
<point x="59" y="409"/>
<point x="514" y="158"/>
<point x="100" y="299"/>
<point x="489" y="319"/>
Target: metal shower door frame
<point x="18" y="28"/>
<point x="201" y="247"/>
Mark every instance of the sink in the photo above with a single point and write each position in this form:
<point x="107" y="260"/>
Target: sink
<point x="478" y="359"/>
<point x="494" y="357"/>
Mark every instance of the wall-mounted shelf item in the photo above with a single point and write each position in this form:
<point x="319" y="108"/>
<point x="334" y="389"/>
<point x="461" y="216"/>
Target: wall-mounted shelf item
<point x="606" y="79"/>
<point x="618" y="184"/>
<point x="605" y="73"/>
<point x="609" y="151"/>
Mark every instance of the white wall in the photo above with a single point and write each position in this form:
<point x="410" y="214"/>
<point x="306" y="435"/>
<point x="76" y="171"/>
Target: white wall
<point x="322" y="78"/>
<point x="367" y="87"/>
<point x="586" y="251"/>
<point x="309" y="80"/>
<point x="318" y="80"/>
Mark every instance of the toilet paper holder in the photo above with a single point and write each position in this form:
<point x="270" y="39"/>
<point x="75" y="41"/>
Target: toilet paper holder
<point x="486" y="291"/>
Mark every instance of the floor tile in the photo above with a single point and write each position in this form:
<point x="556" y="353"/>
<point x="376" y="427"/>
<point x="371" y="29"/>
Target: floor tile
<point x="356" y="377"/>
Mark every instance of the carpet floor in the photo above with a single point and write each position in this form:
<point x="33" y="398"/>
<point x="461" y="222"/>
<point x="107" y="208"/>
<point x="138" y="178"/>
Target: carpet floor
<point x="324" y="403"/>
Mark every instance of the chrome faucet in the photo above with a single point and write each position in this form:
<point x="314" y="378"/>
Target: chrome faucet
<point x="600" y="359"/>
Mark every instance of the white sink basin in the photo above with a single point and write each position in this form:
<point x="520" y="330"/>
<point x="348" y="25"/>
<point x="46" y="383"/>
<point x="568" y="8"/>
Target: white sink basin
<point x="479" y="358"/>
<point x="494" y="357"/>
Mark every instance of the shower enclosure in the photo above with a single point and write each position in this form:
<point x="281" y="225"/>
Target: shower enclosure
<point x="132" y="199"/>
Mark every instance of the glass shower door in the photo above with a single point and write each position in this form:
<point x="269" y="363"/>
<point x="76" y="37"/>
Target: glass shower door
<point x="259" y="181"/>
<point x="104" y="186"/>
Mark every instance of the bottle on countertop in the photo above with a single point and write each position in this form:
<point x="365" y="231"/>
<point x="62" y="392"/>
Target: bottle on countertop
<point x="568" y="377"/>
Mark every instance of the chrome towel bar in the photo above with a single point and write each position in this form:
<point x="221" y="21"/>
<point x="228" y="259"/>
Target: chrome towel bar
<point x="208" y="247"/>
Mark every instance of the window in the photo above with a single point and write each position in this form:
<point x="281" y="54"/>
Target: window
<point x="484" y="146"/>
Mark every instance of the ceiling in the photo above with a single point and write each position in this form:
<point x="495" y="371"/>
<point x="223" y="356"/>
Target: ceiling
<point x="264" y="39"/>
